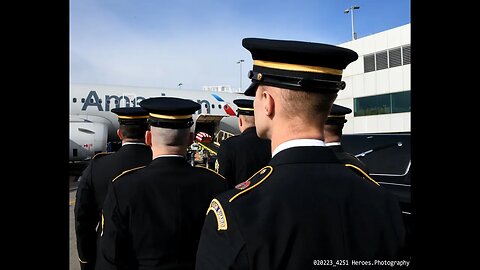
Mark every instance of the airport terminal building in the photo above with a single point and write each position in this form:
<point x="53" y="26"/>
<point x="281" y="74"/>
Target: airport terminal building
<point x="378" y="83"/>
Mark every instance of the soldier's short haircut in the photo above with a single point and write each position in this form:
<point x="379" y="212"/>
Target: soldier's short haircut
<point x="134" y="131"/>
<point x="171" y="137"/>
<point x="307" y="103"/>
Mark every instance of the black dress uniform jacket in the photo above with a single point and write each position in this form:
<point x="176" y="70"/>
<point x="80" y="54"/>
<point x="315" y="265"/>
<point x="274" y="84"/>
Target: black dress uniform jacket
<point x="302" y="210"/>
<point x="92" y="190"/>
<point x="347" y="158"/>
<point x="239" y="157"/>
<point x="153" y="216"/>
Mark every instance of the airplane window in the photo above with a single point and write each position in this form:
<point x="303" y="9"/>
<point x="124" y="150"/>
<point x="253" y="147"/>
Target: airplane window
<point x="108" y="101"/>
<point x="163" y="94"/>
<point x="91" y="100"/>
<point x="116" y="101"/>
<point x="219" y="106"/>
<point x="100" y="100"/>
<point x="83" y="100"/>
<point x="206" y="106"/>
<point x="213" y="106"/>
<point x="74" y="100"/>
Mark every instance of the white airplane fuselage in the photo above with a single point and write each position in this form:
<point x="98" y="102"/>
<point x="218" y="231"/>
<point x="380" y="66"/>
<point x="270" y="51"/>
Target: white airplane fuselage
<point x="92" y="124"/>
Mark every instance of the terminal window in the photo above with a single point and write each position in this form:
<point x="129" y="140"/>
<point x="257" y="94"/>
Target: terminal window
<point x="406" y="54"/>
<point x="369" y="62"/>
<point x="382" y="62"/>
<point x="386" y="59"/>
<point x="382" y="104"/>
<point x="395" y="57"/>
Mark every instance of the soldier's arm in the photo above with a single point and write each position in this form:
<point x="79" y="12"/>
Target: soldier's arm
<point x="86" y="221"/>
<point x="114" y="240"/>
<point x="221" y="245"/>
<point x="398" y="234"/>
<point x="225" y="166"/>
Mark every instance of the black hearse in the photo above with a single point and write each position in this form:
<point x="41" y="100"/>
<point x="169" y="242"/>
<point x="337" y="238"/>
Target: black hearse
<point x="388" y="158"/>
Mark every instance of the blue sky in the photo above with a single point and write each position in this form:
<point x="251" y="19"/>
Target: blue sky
<point x="161" y="43"/>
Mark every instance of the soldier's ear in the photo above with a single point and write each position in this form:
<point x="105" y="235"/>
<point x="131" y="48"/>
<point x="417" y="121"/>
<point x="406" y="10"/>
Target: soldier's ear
<point x="148" y="137"/>
<point x="119" y="134"/>
<point x="269" y="104"/>
<point x="240" y="122"/>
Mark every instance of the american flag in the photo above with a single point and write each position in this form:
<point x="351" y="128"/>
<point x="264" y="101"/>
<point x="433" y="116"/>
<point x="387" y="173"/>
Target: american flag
<point x="203" y="137"/>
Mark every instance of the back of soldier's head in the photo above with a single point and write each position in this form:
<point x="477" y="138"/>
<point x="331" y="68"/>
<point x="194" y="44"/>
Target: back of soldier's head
<point x="245" y="112"/>
<point x="170" y="119"/>
<point x="335" y="122"/>
<point x="309" y="74"/>
<point x="132" y="122"/>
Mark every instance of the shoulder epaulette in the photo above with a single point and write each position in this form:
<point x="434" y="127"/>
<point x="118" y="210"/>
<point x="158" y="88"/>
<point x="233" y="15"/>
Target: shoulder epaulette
<point x="216" y="206"/>
<point x="255" y="179"/>
<point x="361" y="173"/>
<point x="128" y="171"/>
<point x="102" y="154"/>
<point x="198" y="166"/>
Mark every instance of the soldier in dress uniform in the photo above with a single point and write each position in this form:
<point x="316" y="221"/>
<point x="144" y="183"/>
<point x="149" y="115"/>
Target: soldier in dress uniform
<point x="96" y="178"/>
<point x="305" y="208"/>
<point x="153" y="215"/>
<point x="333" y="136"/>
<point x="239" y="157"/>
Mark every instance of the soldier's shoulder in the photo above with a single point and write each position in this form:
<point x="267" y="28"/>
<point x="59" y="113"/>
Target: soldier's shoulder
<point x="127" y="173"/>
<point x="360" y="172"/>
<point x="102" y="154"/>
<point x="231" y="139"/>
<point x="204" y="170"/>
<point x="221" y="205"/>
<point x="248" y="186"/>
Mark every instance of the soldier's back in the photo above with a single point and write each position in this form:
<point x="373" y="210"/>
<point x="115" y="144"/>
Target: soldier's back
<point x="165" y="203"/>
<point x="105" y="169"/>
<point x="246" y="154"/>
<point x="305" y="206"/>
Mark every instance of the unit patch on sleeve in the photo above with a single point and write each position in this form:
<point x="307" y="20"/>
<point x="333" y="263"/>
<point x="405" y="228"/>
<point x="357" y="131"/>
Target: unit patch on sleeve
<point x="217" y="209"/>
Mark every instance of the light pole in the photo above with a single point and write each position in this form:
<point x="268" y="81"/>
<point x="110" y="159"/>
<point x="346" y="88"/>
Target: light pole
<point x="240" y="62"/>
<point x="350" y="9"/>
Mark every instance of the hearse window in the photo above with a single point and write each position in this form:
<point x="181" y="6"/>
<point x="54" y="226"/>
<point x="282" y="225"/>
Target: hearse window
<point x="382" y="153"/>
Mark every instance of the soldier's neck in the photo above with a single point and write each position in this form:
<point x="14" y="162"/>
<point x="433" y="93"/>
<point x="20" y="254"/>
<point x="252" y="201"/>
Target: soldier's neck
<point x="292" y="131"/>
<point x="161" y="150"/>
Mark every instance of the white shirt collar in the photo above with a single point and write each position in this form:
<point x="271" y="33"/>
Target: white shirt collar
<point x="296" y="143"/>
<point x="170" y="156"/>
<point x="332" y="143"/>
<point x="127" y="143"/>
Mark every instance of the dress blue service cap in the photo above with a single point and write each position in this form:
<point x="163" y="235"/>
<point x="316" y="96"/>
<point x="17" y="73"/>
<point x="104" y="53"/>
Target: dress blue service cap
<point x="245" y="106"/>
<point x="131" y="115"/>
<point x="297" y="65"/>
<point x="337" y="115"/>
<point x="170" y="112"/>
